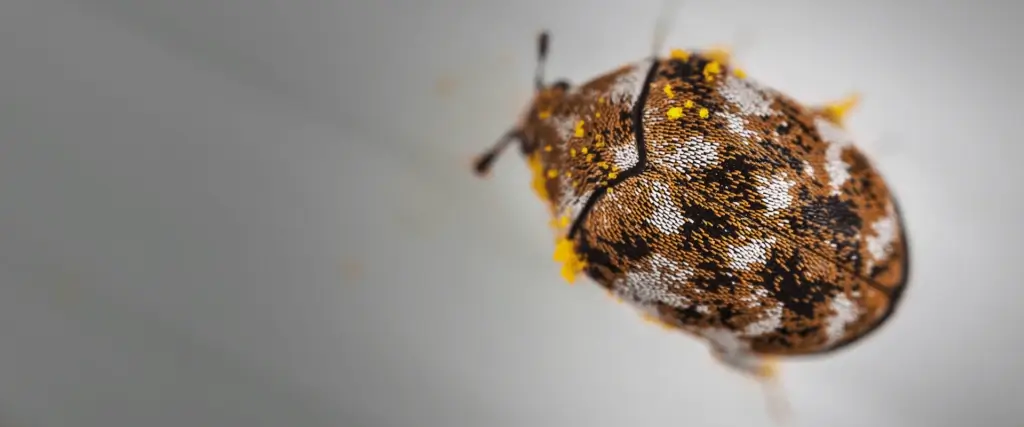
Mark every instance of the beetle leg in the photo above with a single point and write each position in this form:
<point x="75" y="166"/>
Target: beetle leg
<point x="766" y="371"/>
<point x="745" y="362"/>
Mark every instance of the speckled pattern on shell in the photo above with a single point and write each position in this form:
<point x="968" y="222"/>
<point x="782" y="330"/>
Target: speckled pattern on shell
<point x="760" y="226"/>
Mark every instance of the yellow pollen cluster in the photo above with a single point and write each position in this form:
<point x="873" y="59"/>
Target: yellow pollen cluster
<point x="837" y="111"/>
<point x="565" y="253"/>
<point x="539" y="184"/>
<point x="704" y="113"/>
<point x="668" y="91"/>
<point x="680" y="54"/>
<point x="711" y="70"/>
<point x="675" y="113"/>
<point x="579" y="129"/>
<point x="560" y="223"/>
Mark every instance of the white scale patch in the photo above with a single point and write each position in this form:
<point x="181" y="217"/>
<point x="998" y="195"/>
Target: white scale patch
<point x="627" y="87"/>
<point x="667" y="217"/>
<point x="695" y="153"/>
<point x="880" y="244"/>
<point x="808" y="169"/>
<point x="747" y="95"/>
<point x="838" y="140"/>
<point x="845" y="312"/>
<point x="571" y="204"/>
<point x="565" y="126"/>
<point x="625" y="156"/>
<point x="769" y="323"/>
<point x="775" y="192"/>
<point x="755" y="252"/>
<point x="737" y="125"/>
<point x="758" y="293"/>
<point x="647" y="285"/>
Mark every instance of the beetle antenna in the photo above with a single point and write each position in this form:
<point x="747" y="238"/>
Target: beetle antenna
<point x="483" y="163"/>
<point x="542" y="58"/>
<point x="666" y="17"/>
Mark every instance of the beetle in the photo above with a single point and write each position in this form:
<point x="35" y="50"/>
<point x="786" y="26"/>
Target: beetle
<point x="716" y="205"/>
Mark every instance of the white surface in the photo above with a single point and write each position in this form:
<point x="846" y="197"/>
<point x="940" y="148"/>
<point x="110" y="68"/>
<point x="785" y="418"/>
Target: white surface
<point x="239" y="213"/>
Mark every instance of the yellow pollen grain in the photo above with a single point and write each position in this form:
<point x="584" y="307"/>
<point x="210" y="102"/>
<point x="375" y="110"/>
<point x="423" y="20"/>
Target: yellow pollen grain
<point x="543" y="115"/>
<point x="680" y="54"/>
<point x="552" y="173"/>
<point x="611" y="190"/>
<point x="590" y="157"/>
<point x="597" y="114"/>
<point x="547" y="148"/>
<point x="612" y="175"/>
<point x="712" y="69"/>
<point x="568" y="174"/>
<point x="738" y="72"/>
<point x="704" y="113"/>
<point x="688" y="104"/>
<point x="600" y="100"/>
<point x="674" y="113"/>
<point x="583" y="150"/>
<point x="602" y="165"/>
<point x="668" y="91"/>
<point x="563" y="221"/>
<point x="572" y="152"/>
<point x="579" y="129"/>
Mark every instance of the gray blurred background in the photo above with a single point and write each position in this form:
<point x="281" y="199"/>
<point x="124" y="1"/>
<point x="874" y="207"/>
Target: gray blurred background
<point x="261" y="213"/>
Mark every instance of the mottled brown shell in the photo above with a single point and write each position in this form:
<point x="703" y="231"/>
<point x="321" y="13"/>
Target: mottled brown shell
<point x="734" y="212"/>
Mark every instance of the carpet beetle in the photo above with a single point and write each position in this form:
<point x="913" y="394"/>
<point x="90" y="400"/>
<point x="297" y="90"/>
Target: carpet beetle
<point x="716" y="205"/>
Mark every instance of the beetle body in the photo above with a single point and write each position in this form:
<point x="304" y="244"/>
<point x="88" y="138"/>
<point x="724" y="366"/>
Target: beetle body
<point x="717" y="206"/>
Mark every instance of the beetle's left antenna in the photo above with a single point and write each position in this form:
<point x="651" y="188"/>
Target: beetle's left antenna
<point x="485" y="161"/>
<point x="542" y="57"/>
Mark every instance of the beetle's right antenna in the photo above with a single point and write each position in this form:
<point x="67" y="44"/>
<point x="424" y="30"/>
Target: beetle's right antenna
<point x="542" y="58"/>
<point x="666" y="17"/>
